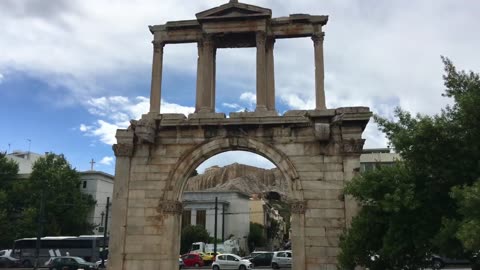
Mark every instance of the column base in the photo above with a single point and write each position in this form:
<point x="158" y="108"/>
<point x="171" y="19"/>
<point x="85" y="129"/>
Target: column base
<point x="253" y="114"/>
<point x="206" y="115"/>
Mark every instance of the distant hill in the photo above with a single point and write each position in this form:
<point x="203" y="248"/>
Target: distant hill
<point x="239" y="177"/>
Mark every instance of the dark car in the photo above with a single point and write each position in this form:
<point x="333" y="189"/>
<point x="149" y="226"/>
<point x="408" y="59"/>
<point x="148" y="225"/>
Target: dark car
<point x="439" y="262"/>
<point x="70" y="263"/>
<point x="262" y="259"/>
<point x="7" y="262"/>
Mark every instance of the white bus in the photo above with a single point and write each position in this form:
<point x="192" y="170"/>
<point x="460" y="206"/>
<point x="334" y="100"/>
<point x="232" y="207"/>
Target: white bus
<point x="88" y="247"/>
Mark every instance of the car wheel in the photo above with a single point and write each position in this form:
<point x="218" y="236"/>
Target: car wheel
<point x="242" y="267"/>
<point x="215" y="267"/>
<point x="197" y="265"/>
<point x="437" y="264"/>
<point x="275" y="266"/>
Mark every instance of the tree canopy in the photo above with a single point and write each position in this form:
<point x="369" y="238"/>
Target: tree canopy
<point x="66" y="207"/>
<point x="423" y="204"/>
<point x="192" y="234"/>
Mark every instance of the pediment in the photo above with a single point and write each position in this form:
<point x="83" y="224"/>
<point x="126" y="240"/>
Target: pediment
<point x="234" y="10"/>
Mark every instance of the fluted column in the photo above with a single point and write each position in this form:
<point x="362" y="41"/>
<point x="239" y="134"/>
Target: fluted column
<point x="270" y="73"/>
<point x="319" y="71"/>
<point x="156" y="86"/>
<point x="208" y="72"/>
<point x="261" y="72"/>
<point x="200" y="69"/>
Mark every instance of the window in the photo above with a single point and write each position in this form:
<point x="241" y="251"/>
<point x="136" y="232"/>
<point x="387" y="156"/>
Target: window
<point x="231" y="258"/>
<point x="221" y="258"/>
<point x="202" y="217"/>
<point x="289" y="255"/>
<point x="84" y="184"/>
<point x="186" y="218"/>
<point x="281" y="254"/>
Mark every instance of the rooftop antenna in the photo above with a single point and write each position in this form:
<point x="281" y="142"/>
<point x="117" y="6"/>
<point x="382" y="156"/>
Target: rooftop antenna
<point x="8" y="148"/>
<point x="91" y="164"/>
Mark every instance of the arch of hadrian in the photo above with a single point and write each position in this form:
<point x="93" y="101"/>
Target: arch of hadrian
<point x="317" y="150"/>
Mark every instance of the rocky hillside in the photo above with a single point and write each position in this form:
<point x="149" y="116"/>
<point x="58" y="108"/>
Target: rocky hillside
<point x="240" y="177"/>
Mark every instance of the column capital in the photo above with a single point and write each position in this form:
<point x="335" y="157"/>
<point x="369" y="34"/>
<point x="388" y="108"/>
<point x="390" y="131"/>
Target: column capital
<point x="318" y="37"/>
<point x="123" y="149"/>
<point x="271" y="41"/>
<point x="172" y="207"/>
<point x="261" y="38"/>
<point x="158" y="45"/>
<point x="207" y="40"/>
<point x="298" y="207"/>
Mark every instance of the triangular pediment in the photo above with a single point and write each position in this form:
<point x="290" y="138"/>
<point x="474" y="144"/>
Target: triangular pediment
<point x="234" y="10"/>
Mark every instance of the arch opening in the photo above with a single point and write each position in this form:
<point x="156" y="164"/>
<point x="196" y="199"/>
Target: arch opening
<point x="251" y="197"/>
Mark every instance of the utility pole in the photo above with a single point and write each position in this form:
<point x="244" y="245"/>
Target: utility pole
<point x="215" y="228"/>
<point x="105" y="233"/>
<point x="223" y="222"/>
<point x="41" y="221"/>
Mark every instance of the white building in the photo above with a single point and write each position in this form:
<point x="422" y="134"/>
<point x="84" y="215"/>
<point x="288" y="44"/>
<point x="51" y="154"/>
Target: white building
<point x="25" y="160"/>
<point x="373" y="158"/>
<point x="100" y="186"/>
<point x="233" y="214"/>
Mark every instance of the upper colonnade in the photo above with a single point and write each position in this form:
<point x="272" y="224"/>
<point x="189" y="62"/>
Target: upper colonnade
<point x="237" y="25"/>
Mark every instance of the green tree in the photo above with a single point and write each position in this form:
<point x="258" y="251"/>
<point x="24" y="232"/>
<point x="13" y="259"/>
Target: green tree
<point x="407" y="211"/>
<point x="8" y="176"/>
<point x="192" y="234"/>
<point x="66" y="207"/>
<point x="468" y="198"/>
<point x="256" y="237"/>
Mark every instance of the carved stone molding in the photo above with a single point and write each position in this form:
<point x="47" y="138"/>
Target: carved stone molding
<point x="298" y="207"/>
<point x="318" y="38"/>
<point x="145" y="130"/>
<point x="123" y="149"/>
<point x="353" y="146"/>
<point x="172" y="207"/>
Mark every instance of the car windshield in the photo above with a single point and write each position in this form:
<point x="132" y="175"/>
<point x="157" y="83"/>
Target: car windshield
<point x="80" y="260"/>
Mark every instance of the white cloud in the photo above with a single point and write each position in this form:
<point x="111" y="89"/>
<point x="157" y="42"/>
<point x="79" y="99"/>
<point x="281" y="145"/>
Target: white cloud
<point x="1" y="77"/>
<point x="231" y="105"/>
<point x="117" y="111"/>
<point x="373" y="51"/>
<point x="107" y="161"/>
<point x="84" y="128"/>
<point x="230" y="157"/>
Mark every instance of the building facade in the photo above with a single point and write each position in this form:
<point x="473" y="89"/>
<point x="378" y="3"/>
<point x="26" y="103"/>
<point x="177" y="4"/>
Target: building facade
<point x="374" y="158"/>
<point x="233" y="215"/>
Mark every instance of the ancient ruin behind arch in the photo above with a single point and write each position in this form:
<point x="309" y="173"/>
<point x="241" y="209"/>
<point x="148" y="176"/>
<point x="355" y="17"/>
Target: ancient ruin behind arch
<point x="317" y="151"/>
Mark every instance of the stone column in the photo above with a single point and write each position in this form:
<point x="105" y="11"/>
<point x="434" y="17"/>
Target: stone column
<point x="208" y="75"/>
<point x="200" y="69"/>
<point x="156" y="87"/>
<point x="123" y="152"/>
<point x="270" y="75"/>
<point x="261" y="72"/>
<point x="213" y="78"/>
<point x="298" y="234"/>
<point x="319" y="71"/>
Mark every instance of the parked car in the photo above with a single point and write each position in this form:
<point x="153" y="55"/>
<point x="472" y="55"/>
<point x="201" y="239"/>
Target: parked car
<point x="6" y="259"/>
<point x="206" y="257"/>
<point x="193" y="260"/>
<point x="261" y="258"/>
<point x="282" y="259"/>
<point x="231" y="261"/>
<point x="180" y="263"/>
<point x="7" y="262"/>
<point x="70" y="263"/>
<point x="98" y="263"/>
<point x="438" y="262"/>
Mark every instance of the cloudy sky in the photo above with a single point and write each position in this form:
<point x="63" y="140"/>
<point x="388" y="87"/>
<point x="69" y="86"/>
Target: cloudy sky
<point x="73" y="71"/>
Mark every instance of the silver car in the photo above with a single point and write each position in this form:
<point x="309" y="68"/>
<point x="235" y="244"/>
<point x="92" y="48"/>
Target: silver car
<point x="282" y="259"/>
<point x="230" y="261"/>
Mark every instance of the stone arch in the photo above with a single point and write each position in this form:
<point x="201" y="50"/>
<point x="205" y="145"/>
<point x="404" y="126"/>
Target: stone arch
<point x="193" y="158"/>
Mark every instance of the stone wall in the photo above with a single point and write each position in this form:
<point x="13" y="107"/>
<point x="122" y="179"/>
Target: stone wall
<point x="315" y="151"/>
